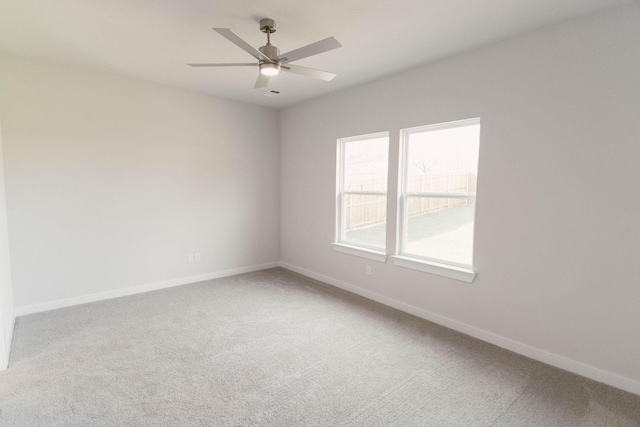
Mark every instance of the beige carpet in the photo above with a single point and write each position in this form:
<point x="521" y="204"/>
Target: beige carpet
<point x="273" y="348"/>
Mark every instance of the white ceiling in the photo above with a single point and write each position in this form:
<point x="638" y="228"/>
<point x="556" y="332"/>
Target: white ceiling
<point x="155" y="39"/>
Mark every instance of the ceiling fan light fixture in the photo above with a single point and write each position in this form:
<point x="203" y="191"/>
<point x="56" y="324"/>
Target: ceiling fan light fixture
<point x="269" y="69"/>
<point x="269" y="59"/>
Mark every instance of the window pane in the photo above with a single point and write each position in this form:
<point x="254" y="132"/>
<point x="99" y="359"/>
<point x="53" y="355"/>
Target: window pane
<point x="443" y="160"/>
<point x="440" y="228"/>
<point x="365" y="219"/>
<point x="365" y="164"/>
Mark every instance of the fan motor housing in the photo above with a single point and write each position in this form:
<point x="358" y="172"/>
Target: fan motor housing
<point x="267" y="25"/>
<point x="270" y="51"/>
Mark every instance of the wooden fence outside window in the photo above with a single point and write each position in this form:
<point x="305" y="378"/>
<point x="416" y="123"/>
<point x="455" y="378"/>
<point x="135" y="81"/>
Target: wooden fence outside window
<point x="366" y="210"/>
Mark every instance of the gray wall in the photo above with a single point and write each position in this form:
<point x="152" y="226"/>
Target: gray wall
<point x="557" y="238"/>
<point x="111" y="181"/>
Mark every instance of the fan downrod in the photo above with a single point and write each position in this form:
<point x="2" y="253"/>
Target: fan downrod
<point x="268" y="26"/>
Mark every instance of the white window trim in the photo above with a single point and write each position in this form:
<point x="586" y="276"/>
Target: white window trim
<point x="445" y="270"/>
<point x="405" y="260"/>
<point x="360" y="251"/>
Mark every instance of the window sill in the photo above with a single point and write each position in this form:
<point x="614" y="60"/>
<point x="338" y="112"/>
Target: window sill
<point x="457" y="273"/>
<point x="361" y="252"/>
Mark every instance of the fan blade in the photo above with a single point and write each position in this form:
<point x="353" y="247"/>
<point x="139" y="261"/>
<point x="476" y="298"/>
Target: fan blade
<point x="239" y="64"/>
<point x="261" y="82"/>
<point x="309" y="50"/>
<point x="309" y="72"/>
<point x="233" y="38"/>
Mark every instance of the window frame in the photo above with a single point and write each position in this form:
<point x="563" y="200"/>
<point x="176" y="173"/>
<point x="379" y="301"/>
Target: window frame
<point x="416" y="261"/>
<point x="340" y="243"/>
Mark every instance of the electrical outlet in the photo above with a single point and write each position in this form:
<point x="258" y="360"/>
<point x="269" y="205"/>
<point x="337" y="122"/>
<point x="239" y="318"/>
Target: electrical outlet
<point x="197" y="256"/>
<point x="368" y="270"/>
<point x="190" y="257"/>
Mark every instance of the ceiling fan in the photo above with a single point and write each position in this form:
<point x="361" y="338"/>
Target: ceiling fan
<point x="270" y="62"/>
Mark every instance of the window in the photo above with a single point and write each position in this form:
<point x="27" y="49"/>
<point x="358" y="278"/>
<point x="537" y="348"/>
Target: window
<point x="439" y="170"/>
<point x="361" y="214"/>
<point x="435" y="203"/>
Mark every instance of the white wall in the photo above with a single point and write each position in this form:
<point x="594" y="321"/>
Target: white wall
<point x="111" y="182"/>
<point x="557" y="244"/>
<point x="6" y="291"/>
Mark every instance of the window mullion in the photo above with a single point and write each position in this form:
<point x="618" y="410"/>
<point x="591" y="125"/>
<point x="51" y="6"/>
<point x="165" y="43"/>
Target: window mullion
<point x="442" y="195"/>
<point x="365" y="192"/>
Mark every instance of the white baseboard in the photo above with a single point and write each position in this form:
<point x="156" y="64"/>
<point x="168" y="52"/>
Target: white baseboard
<point x="68" y="302"/>
<point x="561" y="362"/>
<point x="4" y="359"/>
